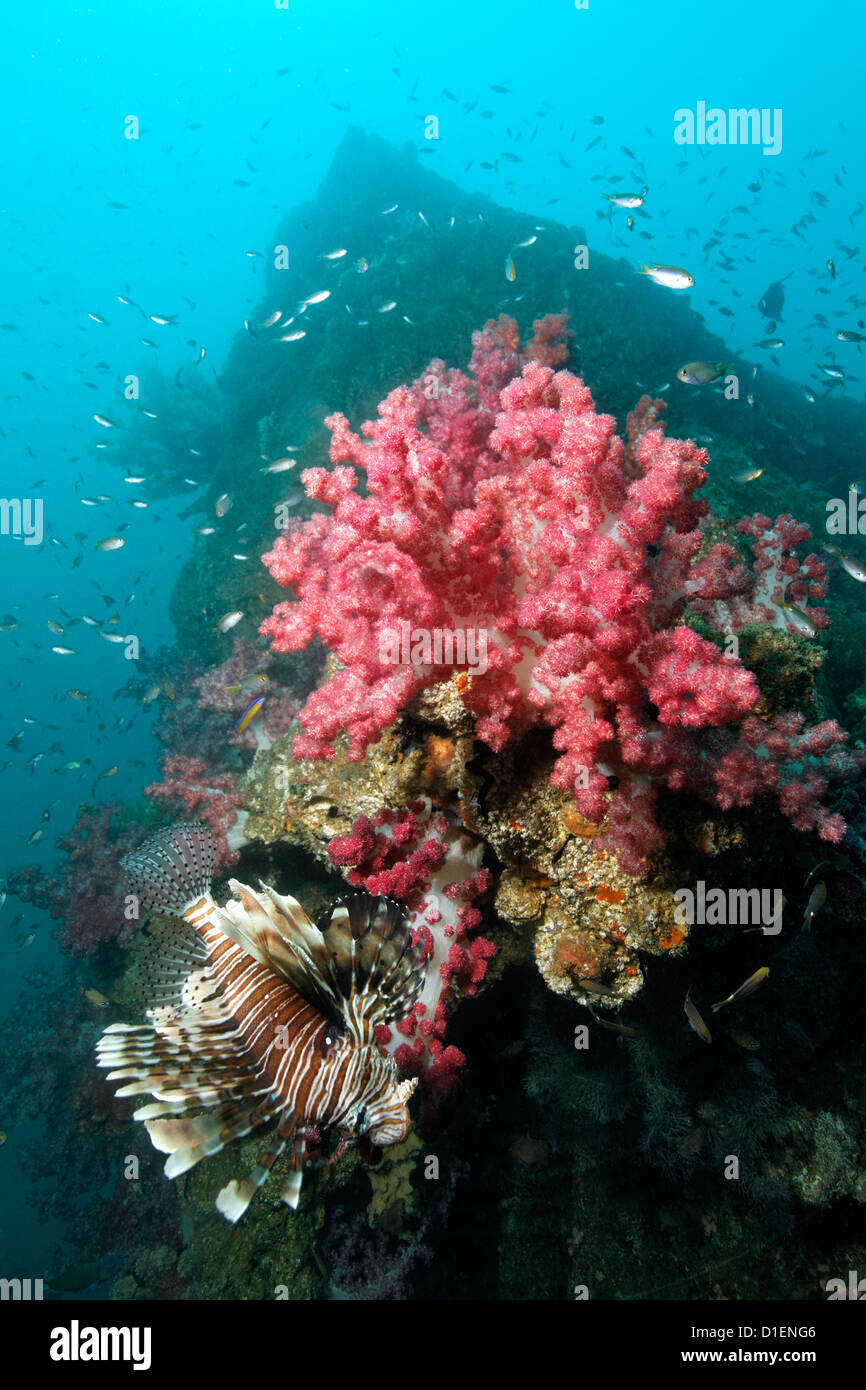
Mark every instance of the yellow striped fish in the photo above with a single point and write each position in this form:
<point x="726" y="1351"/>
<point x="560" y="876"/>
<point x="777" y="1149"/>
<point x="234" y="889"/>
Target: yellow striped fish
<point x="257" y="1015"/>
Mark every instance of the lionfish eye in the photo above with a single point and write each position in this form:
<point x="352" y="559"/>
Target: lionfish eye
<point x="332" y="1036"/>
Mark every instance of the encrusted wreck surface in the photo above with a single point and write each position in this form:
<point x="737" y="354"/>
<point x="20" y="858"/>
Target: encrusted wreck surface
<point x="584" y="920"/>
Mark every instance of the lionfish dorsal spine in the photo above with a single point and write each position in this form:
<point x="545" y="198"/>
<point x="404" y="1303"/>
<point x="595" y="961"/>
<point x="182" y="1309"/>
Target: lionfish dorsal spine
<point x="374" y="968"/>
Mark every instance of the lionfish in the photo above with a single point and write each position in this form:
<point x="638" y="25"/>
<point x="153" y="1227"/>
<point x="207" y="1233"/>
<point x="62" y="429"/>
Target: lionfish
<point x="258" y="1015"/>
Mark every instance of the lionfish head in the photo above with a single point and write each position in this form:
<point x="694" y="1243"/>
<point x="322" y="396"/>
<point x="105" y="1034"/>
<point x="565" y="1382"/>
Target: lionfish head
<point x="388" y="1122"/>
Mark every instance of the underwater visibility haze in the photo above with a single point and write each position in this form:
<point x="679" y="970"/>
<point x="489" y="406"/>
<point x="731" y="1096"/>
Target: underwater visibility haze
<point x="432" y="629"/>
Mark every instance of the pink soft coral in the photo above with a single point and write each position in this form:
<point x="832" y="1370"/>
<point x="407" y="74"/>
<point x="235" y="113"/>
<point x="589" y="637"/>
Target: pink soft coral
<point x="509" y="507"/>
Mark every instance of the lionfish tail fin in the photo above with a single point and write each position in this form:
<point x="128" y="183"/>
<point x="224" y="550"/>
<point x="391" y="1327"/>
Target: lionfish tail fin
<point x="173" y="869"/>
<point x="375" y="969"/>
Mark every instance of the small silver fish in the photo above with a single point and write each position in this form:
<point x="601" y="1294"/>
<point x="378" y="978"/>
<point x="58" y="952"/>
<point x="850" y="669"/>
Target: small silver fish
<point x="817" y="899"/>
<point x="627" y="200"/>
<point x="796" y="619"/>
<point x="850" y="564"/>
<point x="700" y="373"/>
<point x="672" y="277"/>
<point x="280" y="466"/>
<point x="104" y="422"/>
<point x="624" y="1029"/>
<point x="746" y="988"/>
<point x="229" y="620"/>
<point x="110" y="543"/>
<point x="593" y="987"/>
<point x="223" y="504"/>
<point x="695" y="1019"/>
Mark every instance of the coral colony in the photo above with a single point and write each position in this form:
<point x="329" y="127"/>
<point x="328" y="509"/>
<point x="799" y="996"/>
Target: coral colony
<point x="501" y="500"/>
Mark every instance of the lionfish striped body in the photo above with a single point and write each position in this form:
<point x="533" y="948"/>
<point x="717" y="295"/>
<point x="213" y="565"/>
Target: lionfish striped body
<point x="259" y="1016"/>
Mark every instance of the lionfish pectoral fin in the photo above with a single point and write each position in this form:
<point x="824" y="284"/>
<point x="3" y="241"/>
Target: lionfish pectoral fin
<point x="173" y="869"/>
<point x="172" y="968"/>
<point x="189" y="1059"/>
<point x="233" y="1200"/>
<point x="187" y="1141"/>
<point x="194" y="1140"/>
<point x="168" y="1136"/>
